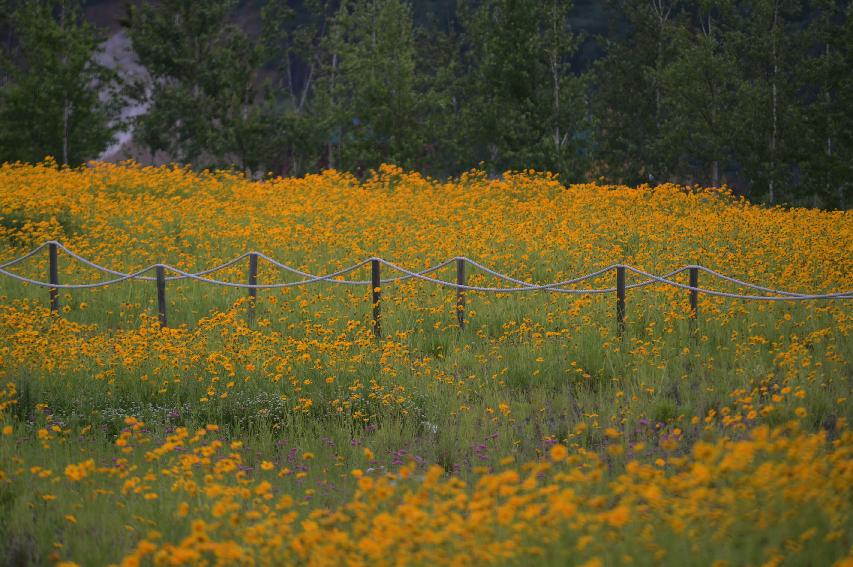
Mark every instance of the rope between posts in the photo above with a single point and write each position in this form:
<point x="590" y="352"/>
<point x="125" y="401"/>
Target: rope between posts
<point x="554" y="287"/>
<point x="743" y="283"/>
<point x="227" y="264"/>
<point x="557" y="287"/>
<point x="26" y="256"/>
<point x="287" y="268"/>
<point x="267" y="286"/>
<point x="790" y="297"/>
<point x="134" y="275"/>
<point x="144" y="278"/>
<point x="568" y="282"/>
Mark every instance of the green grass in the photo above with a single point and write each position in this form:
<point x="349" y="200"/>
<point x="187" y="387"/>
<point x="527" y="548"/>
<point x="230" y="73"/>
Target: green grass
<point x="658" y="376"/>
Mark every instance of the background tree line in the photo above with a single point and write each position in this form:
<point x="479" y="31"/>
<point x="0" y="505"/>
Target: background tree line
<point x="757" y="94"/>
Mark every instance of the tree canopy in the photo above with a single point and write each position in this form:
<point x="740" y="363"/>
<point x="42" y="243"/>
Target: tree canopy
<point x="755" y="94"/>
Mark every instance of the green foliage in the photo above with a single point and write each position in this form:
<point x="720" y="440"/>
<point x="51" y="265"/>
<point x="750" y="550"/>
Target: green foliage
<point x="699" y="88"/>
<point x="203" y="96"/>
<point x="743" y="92"/>
<point x="628" y="95"/>
<point x="291" y="44"/>
<point x="754" y="94"/>
<point x="371" y="102"/>
<point x="826" y="143"/>
<point x="56" y="100"/>
<point x="523" y="106"/>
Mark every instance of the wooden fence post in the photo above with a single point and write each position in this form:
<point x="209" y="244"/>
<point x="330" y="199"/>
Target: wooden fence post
<point x="376" y="295"/>
<point x="694" y="293"/>
<point x="620" y="299"/>
<point x="253" y="291"/>
<point x="161" y="296"/>
<point x="460" y="293"/>
<point x="694" y="299"/>
<point x="53" y="276"/>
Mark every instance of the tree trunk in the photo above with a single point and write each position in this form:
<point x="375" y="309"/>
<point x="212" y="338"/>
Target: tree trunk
<point x="555" y="74"/>
<point x="828" y="98"/>
<point x="289" y="71"/>
<point x="305" y="89"/>
<point x="66" y="105"/>
<point x="663" y="16"/>
<point x="66" y="115"/>
<point x="331" y="147"/>
<point x="774" y="103"/>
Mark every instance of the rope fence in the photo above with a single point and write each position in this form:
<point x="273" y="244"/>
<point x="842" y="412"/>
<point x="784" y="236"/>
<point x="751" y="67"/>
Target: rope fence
<point x="376" y="282"/>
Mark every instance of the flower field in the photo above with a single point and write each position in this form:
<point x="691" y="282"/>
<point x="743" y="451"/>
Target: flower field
<point x="536" y="435"/>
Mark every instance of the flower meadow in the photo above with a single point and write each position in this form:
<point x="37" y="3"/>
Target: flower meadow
<point x="538" y="434"/>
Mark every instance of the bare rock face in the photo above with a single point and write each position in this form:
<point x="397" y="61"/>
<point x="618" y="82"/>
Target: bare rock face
<point x="117" y="54"/>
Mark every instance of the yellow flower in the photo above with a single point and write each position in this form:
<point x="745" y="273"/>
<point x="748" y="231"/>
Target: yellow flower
<point x="559" y="453"/>
<point x="619" y="516"/>
<point x="612" y="433"/>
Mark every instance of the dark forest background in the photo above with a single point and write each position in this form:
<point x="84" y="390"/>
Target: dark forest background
<point x="754" y="94"/>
